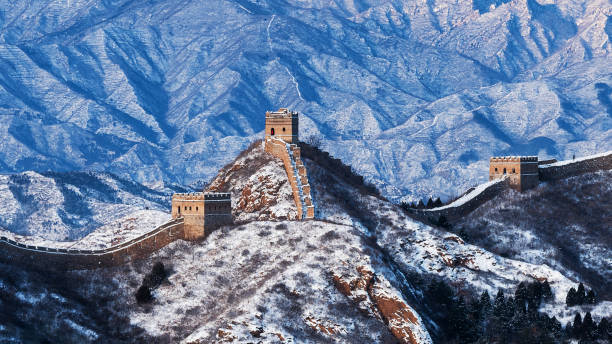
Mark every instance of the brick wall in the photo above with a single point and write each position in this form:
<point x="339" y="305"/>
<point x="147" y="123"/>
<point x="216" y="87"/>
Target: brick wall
<point x="581" y="166"/>
<point x="66" y="259"/>
<point x="455" y="213"/>
<point x="279" y="149"/>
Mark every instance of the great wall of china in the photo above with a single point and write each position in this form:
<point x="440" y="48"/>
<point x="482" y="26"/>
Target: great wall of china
<point x="290" y="155"/>
<point x="284" y="147"/>
<point x="69" y="259"/>
<point x="481" y="194"/>
<point x="194" y="215"/>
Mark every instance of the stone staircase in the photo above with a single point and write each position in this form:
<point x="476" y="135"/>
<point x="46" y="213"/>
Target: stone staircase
<point x="296" y="173"/>
<point x="302" y="183"/>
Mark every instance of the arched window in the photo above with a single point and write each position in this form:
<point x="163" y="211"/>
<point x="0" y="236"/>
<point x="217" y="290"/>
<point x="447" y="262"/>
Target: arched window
<point x="272" y="131"/>
<point x="189" y="208"/>
<point x="513" y="170"/>
<point x="196" y="208"/>
<point x="185" y="207"/>
<point x="496" y="170"/>
<point x="504" y="170"/>
<point x="179" y="209"/>
<point x="283" y="129"/>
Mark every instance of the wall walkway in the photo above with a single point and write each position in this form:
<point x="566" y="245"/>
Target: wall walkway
<point x="290" y="155"/>
<point x="13" y="252"/>
<point x="555" y="171"/>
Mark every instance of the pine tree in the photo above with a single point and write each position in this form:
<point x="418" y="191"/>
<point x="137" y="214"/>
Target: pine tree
<point x="485" y="303"/>
<point x="603" y="330"/>
<point x="143" y="295"/>
<point x="520" y="295"/>
<point x="577" y="326"/>
<point x="580" y="294"/>
<point x="437" y="202"/>
<point x="590" y="297"/>
<point x="499" y="305"/>
<point x="420" y="205"/>
<point x="430" y="203"/>
<point x="555" y="327"/>
<point x="588" y="327"/>
<point x="569" y="329"/>
<point x="570" y="299"/>
<point x="459" y="322"/>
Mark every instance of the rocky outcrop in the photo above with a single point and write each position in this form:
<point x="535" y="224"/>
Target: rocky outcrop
<point x="375" y="296"/>
<point x="259" y="186"/>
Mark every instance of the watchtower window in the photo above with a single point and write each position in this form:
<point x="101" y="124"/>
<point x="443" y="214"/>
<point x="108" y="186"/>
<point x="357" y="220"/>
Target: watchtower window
<point x="196" y="208"/>
<point x="513" y="170"/>
<point x="504" y="170"/>
<point x="496" y="169"/>
<point x="272" y="131"/>
<point x="185" y="207"/>
<point x="179" y="209"/>
<point x="283" y="129"/>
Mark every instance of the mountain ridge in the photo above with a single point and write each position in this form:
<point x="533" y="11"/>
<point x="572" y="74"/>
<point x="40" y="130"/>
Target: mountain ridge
<point x="168" y="96"/>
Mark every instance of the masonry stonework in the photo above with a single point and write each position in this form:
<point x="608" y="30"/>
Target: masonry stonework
<point x="521" y="171"/>
<point x="201" y="212"/>
<point x="284" y="147"/>
<point x="282" y="124"/>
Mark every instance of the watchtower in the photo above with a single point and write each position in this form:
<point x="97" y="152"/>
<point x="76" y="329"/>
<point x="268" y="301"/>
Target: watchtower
<point x="521" y="171"/>
<point x="282" y="124"/>
<point x="202" y="212"/>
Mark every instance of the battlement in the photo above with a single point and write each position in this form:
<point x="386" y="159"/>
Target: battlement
<point x="281" y="113"/>
<point x="202" y="211"/>
<point x="521" y="171"/>
<point x="188" y="196"/>
<point x="282" y="124"/>
<point x="514" y="159"/>
<point x="217" y="196"/>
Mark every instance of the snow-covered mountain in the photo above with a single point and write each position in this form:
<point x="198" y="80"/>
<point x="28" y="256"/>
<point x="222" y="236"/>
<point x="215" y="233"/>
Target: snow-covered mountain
<point x="70" y="205"/>
<point x="360" y="272"/>
<point x="415" y="95"/>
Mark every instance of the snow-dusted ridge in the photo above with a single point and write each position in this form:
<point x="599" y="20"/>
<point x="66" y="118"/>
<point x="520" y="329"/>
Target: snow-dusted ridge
<point x="171" y="91"/>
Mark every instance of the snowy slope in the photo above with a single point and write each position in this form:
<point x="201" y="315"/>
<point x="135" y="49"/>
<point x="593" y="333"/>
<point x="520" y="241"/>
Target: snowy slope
<point x="68" y="206"/>
<point x="349" y="276"/>
<point x="416" y="95"/>
<point x="565" y="224"/>
<point x="258" y="184"/>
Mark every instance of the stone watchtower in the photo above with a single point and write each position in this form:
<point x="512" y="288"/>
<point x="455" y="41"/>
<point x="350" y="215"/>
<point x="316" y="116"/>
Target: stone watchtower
<point x="202" y="212"/>
<point x="522" y="171"/>
<point x="282" y="141"/>
<point x="282" y="124"/>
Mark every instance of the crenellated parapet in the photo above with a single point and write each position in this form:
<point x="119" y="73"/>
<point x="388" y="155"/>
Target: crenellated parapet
<point x="202" y="211"/>
<point x="520" y="171"/>
<point x="43" y="257"/>
<point x="290" y="155"/>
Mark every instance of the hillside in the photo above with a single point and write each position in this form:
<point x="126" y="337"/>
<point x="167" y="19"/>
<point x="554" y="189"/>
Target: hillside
<point x="565" y="224"/>
<point x="360" y="272"/>
<point x="415" y="95"/>
<point x="68" y="206"/>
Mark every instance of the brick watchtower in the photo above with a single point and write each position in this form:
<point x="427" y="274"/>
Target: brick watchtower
<point x="522" y="171"/>
<point x="202" y="212"/>
<point x="282" y="124"/>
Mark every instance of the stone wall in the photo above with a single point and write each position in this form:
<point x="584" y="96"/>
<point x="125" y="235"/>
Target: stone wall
<point x="284" y="123"/>
<point x="521" y="171"/>
<point x="295" y="169"/>
<point x="452" y="213"/>
<point x="46" y="258"/>
<point x="565" y="169"/>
